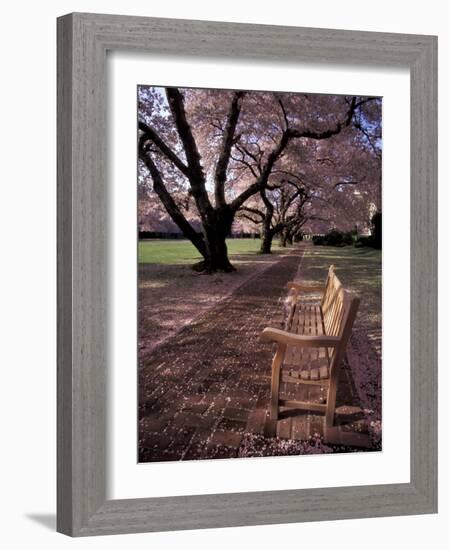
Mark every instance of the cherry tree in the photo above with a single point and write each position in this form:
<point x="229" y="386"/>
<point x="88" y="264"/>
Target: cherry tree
<point x="220" y="149"/>
<point x="282" y="210"/>
<point x="334" y="183"/>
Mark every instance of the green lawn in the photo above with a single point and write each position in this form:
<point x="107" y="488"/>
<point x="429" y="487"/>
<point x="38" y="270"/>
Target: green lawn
<point x="180" y="251"/>
<point x="357" y="267"/>
<point x="360" y="271"/>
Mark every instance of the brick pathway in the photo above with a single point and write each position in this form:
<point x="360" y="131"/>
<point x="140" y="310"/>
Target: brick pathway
<point x="203" y="389"/>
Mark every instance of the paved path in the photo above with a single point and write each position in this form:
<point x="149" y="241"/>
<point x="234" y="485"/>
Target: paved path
<point x="203" y="389"/>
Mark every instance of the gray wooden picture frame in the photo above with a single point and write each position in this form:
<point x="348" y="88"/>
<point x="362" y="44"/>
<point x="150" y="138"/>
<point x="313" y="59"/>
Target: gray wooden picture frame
<point x="83" y="40"/>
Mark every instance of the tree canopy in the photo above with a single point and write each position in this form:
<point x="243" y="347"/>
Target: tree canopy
<point x="274" y="162"/>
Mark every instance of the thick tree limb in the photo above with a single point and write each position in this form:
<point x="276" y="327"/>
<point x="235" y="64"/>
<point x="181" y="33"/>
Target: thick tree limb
<point x="254" y="211"/>
<point x="150" y="134"/>
<point x="170" y="205"/>
<point x="225" y="151"/>
<point x="196" y="174"/>
<point x="267" y="203"/>
<point x="249" y="218"/>
<point x="287" y="135"/>
<point x="325" y="134"/>
<point x="272" y="187"/>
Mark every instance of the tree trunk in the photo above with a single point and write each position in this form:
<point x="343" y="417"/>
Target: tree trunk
<point x="267" y="240"/>
<point x="217" y="227"/>
<point x="267" y="231"/>
<point x="217" y="259"/>
<point x="283" y="238"/>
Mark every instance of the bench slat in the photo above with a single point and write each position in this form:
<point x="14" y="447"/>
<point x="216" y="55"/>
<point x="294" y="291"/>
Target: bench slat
<point x="307" y="321"/>
<point x="306" y="332"/>
<point x="293" y="404"/>
<point x="314" y="374"/>
<point x="295" y="380"/>
<point x="322" y="352"/>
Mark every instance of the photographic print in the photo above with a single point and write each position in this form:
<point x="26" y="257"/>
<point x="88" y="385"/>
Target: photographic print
<point x="260" y="273"/>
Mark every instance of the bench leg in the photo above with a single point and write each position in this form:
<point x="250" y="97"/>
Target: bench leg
<point x="276" y="380"/>
<point x="331" y="399"/>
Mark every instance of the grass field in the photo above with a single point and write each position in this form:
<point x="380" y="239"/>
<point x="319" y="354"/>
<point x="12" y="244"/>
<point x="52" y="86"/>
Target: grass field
<point x="360" y="271"/>
<point x="360" y="268"/>
<point x="181" y="251"/>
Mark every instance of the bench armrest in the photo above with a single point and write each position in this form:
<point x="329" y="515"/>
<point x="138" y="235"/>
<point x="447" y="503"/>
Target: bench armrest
<point x="305" y="288"/>
<point x="290" y="339"/>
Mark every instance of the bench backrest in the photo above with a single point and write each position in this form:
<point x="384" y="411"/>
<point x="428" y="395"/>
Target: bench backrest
<point x="338" y="308"/>
<point x="332" y="303"/>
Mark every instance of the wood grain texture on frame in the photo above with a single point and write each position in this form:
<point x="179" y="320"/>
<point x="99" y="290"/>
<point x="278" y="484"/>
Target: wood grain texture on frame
<point x="83" y="40"/>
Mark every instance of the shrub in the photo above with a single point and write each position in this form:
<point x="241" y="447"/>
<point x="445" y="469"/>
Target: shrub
<point x="318" y="240"/>
<point x="364" y="241"/>
<point x="334" y="238"/>
<point x="159" y="235"/>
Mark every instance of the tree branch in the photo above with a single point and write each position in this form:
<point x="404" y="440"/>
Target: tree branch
<point x="170" y="205"/>
<point x="254" y="211"/>
<point x="292" y="133"/>
<point x="284" y="113"/>
<point x="262" y="180"/>
<point x="225" y="152"/>
<point x="249" y="218"/>
<point x="325" y="134"/>
<point x="196" y="174"/>
<point x="369" y="138"/>
<point x="150" y="134"/>
<point x="245" y="163"/>
<point x="244" y="151"/>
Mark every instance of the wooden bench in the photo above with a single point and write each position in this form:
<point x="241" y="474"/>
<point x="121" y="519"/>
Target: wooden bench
<point x="312" y="345"/>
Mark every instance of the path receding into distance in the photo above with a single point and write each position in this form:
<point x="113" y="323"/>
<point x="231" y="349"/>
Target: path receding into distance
<point x="203" y="389"/>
